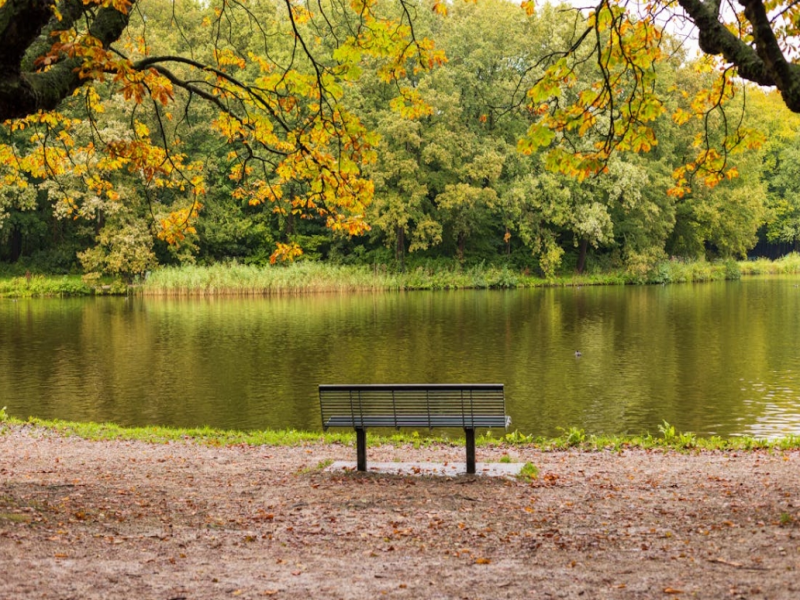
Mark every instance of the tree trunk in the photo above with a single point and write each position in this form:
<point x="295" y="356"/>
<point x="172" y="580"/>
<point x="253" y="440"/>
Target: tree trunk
<point x="16" y="245"/>
<point x="400" y="249"/>
<point x="582" y="256"/>
<point x="289" y="224"/>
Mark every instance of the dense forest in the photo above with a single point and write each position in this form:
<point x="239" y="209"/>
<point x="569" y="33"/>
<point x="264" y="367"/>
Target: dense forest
<point x="451" y="168"/>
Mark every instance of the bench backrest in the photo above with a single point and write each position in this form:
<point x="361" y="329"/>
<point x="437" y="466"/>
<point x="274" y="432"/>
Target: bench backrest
<point x="467" y="405"/>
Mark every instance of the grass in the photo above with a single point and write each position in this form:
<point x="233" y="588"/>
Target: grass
<point x="43" y="285"/>
<point x="235" y="279"/>
<point x="320" y="466"/>
<point x="202" y="435"/>
<point x="668" y="439"/>
<point x="528" y="472"/>
<point x="312" y="277"/>
<point x="788" y="265"/>
<point x="573" y="438"/>
<point x="15" y="518"/>
<point x="38" y="286"/>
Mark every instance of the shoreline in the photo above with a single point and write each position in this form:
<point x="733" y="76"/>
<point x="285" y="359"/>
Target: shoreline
<point x="574" y="438"/>
<point x="308" y="277"/>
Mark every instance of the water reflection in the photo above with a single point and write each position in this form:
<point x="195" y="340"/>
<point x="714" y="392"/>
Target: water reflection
<point x="717" y="358"/>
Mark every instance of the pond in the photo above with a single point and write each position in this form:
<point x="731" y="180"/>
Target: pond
<point x="713" y="358"/>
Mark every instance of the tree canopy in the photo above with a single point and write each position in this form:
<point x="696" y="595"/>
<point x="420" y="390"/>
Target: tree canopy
<point x="43" y="62"/>
<point x="172" y="130"/>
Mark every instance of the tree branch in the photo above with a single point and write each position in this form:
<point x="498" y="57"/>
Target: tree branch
<point x="785" y="74"/>
<point x="21" y="22"/>
<point x="765" y="64"/>
<point x="22" y="26"/>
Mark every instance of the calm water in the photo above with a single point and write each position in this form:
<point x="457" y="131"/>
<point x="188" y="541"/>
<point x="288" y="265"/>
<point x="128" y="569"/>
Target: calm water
<point x="719" y="358"/>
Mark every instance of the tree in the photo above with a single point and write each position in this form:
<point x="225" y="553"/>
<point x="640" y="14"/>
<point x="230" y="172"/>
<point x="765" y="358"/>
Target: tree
<point x="275" y="72"/>
<point x="537" y="207"/>
<point x="402" y="208"/>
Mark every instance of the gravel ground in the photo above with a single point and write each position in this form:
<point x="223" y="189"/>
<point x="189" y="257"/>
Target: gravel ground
<point x="82" y="519"/>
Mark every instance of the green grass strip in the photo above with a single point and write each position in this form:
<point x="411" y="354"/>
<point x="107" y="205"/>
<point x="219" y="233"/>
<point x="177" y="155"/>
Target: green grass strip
<point x="163" y="435"/>
<point x="574" y="438"/>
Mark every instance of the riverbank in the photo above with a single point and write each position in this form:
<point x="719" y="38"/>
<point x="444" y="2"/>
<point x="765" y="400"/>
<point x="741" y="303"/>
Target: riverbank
<point x="311" y="277"/>
<point x="127" y="518"/>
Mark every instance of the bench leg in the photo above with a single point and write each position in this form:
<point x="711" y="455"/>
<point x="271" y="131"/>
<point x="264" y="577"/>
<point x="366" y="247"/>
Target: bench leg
<point x="361" y="448"/>
<point x="470" y="451"/>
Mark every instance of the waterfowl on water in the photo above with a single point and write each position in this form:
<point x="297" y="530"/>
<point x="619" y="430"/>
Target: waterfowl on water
<point x="578" y="354"/>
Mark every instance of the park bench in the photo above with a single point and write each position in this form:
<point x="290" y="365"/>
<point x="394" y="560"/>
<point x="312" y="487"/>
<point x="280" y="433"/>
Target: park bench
<point x="467" y="406"/>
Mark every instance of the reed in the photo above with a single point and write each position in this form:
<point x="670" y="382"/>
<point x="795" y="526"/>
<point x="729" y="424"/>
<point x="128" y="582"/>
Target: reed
<point x="307" y="277"/>
<point x="244" y="280"/>
<point x="312" y="277"/>
<point x="787" y="265"/>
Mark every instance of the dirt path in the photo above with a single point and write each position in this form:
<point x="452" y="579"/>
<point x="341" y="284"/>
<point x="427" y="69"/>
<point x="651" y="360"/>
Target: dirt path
<point x="81" y="519"/>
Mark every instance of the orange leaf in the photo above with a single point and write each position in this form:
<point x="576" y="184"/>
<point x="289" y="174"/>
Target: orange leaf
<point x="529" y="7"/>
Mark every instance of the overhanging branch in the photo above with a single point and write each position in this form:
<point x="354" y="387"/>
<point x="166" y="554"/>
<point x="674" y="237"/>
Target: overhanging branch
<point x="763" y="63"/>
<point x="25" y="25"/>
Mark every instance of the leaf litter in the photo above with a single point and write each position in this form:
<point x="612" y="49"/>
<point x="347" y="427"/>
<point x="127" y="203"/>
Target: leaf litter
<point x="103" y="519"/>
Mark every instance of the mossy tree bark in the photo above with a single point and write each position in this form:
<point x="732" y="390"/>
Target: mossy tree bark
<point x="26" y="35"/>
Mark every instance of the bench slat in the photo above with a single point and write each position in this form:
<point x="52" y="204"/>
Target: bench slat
<point x="400" y="387"/>
<point x="416" y="421"/>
